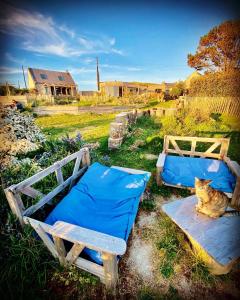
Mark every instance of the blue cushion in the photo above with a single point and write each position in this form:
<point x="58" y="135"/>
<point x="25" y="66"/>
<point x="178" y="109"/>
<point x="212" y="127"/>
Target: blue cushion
<point x="105" y="199"/>
<point x="182" y="171"/>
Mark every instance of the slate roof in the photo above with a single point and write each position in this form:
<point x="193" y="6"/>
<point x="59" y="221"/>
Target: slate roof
<point x="51" y="77"/>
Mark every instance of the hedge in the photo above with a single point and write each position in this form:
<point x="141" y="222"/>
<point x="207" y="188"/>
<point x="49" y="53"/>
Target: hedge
<point x="216" y="84"/>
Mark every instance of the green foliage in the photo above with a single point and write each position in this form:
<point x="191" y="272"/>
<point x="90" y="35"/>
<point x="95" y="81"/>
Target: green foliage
<point x="219" y="49"/>
<point x="169" y="246"/>
<point x="178" y="89"/>
<point x="26" y="263"/>
<point x="216" y="84"/>
<point x="74" y="276"/>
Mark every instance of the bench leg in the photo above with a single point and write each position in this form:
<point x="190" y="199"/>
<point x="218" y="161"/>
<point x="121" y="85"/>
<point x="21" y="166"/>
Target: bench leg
<point x="158" y="176"/>
<point x="110" y="266"/>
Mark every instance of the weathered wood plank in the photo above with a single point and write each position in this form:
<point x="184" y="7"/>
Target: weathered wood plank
<point x="213" y="147"/>
<point x="91" y="267"/>
<point x="15" y="204"/>
<point x="59" y="176"/>
<point x="175" y="145"/>
<point x="161" y="160"/>
<point x="201" y="154"/>
<point x="31" y="192"/>
<point x="61" y="251"/>
<point x="37" y="177"/>
<point x="42" y="229"/>
<point x="89" y="238"/>
<point x="110" y="266"/>
<point x="74" y="253"/>
<point x="52" y="194"/>
<point x="218" y="237"/>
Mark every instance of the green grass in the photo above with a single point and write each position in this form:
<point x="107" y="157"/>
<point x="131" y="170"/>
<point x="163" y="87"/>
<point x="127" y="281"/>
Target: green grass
<point x="92" y="126"/>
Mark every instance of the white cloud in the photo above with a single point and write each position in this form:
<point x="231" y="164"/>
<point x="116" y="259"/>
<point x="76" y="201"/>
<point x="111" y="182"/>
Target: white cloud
<point x="14" y="59"/>
<point x="40" y="34"/>
<point x="67" y="30"/>
<point x="9" y="70"/>
<point x="79" y="71"/>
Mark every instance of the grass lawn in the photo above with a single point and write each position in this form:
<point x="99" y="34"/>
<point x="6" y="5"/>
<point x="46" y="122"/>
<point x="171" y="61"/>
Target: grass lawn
<point x="91" y="126"/>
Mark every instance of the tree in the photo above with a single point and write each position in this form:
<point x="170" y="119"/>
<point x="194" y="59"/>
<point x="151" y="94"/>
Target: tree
<point x="219" y="50"/>
<point x="178" y="89"/>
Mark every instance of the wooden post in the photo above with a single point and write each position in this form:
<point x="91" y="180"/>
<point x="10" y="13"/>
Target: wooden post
<point x="110" y="270"/>
<point x="60" y="249"/>
<point x="15" y="204"/>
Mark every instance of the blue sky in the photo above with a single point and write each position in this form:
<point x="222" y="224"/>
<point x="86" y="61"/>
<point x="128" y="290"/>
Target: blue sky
<point x="135" y="40"/>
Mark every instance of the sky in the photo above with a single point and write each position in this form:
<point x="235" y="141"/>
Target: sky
<point x="146" y="41"/>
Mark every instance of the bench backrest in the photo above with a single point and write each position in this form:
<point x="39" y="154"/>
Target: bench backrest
<point x="218" y="147"/>
<point x="13" y="193"/>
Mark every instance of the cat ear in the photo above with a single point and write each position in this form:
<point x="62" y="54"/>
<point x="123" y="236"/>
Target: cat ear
<point x="208" y="181"/>
<point x="196" y="179"/>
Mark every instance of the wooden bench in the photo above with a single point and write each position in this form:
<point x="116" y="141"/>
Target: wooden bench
<point x="109" y="247"/>
<point x="218" y="150"/>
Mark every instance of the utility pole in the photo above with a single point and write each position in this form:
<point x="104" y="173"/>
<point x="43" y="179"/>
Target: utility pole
<point x="24" y="77"/>
<point x="18" y="85"/>
<point x="98" y="78"/>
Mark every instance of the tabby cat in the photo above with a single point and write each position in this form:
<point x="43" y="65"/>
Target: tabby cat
<point x="211" y="202"/>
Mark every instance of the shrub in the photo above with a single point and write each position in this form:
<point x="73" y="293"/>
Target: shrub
<point x="216" y="84"/>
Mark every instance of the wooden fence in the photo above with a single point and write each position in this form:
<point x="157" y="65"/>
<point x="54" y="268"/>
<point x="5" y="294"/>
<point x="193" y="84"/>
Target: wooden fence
<point x="228" y="105"/>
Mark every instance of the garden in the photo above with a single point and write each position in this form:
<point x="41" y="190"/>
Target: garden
<point x="159" y="263"/>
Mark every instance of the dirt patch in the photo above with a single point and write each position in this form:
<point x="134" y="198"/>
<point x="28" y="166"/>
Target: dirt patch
<point x="140" y="259"/>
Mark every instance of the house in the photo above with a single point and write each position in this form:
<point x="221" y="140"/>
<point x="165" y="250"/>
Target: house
<point x="54" y="83"/>
<point x="121" y="89"/>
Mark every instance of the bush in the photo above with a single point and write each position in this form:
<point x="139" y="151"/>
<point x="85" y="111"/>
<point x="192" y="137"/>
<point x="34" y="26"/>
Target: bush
<point x="216" y="84"/>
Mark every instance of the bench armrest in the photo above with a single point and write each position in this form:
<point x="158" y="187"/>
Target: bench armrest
<point x="233" y="166"/>
<point x="161" y="160"/>
<point x="89" y="238"/>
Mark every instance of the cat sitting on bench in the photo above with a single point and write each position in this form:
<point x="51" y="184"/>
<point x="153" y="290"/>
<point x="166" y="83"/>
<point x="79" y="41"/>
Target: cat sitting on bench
<point x="211" y="202"/>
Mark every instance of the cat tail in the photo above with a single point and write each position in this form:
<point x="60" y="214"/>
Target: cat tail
<point x="231" y="213"/>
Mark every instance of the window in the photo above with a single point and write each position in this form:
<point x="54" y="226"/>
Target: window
<point x="43" y="76"/>
<point x="61" y="78"/>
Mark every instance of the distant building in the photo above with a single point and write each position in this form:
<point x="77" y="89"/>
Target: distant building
<point x="194" y="75"/>
<point x="54" y="83"/>
<point x="121" y="89"/>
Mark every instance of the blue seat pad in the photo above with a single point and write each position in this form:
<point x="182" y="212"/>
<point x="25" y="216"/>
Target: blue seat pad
<point x="182" y="171"/>
<point x="104" y="199"/>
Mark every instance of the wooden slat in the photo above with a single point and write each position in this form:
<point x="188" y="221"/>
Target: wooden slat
<point x="42" y="229"/>
<point x="31" y="192"/>
<point x="161" y="160"/>
<point x="15" y="204"/>
<point x="52" y="194"/>
<point x="213" y="147"/>
<point x="59" y="176"/>
<point x="89" y="238"/>
<point x="198" y="139"/>
<point x="61" y="251"/>
<point x="175" y="145"/>
<point x="37" y="177"/>
<point x="90" y="267"/>
<point x="193" y="147"/>
<point x="233" y="166"/>
<point x="74" y="253"/>
<point x="202" y="154"/>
